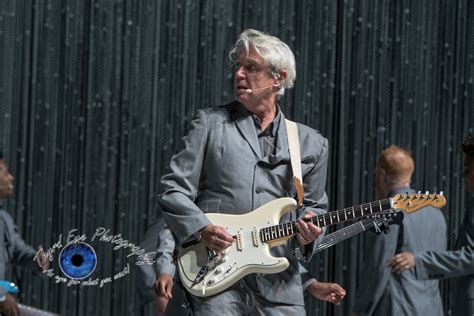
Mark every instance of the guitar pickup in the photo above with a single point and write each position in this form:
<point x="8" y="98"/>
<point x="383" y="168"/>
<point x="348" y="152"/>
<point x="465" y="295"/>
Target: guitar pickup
<point x="239" y="241"/>
<point x="255" y="237"/>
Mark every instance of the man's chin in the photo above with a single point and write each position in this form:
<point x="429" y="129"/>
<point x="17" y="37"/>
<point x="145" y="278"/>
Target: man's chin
<point x="241" y="96"/>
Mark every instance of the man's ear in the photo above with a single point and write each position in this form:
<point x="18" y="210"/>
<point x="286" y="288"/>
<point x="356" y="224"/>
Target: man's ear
<point x="280" y="77"/>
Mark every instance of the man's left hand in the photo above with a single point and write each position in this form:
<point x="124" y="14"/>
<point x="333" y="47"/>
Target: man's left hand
<point x="401" y="262"/>
<point x="329" y="292"/>
<point x="308" y="232"/>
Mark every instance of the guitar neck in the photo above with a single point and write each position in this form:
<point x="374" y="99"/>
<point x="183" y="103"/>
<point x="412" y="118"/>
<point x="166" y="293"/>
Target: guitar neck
<point x="286" y="230"/>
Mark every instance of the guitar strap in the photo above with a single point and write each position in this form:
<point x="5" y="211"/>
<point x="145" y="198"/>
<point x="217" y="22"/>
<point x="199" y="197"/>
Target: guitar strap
<point x="295" y="159"/>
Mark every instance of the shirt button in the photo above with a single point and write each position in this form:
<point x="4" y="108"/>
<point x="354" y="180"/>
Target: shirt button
<point x="258" y="190"/>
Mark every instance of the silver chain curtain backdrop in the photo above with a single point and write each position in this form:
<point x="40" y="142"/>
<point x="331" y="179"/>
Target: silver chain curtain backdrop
<point x="95" y="97"/>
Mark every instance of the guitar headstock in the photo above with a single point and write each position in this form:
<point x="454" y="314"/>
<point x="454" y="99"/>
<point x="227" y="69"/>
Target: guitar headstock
<point x="411" y="202"/>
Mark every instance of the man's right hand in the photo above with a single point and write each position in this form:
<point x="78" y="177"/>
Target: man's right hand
<point x="216" y="238"/>
<point x="9" y="307"/>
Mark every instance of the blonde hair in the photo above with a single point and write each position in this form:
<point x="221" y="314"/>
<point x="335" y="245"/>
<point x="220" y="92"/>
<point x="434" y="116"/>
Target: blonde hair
<point x="397" y="163"/>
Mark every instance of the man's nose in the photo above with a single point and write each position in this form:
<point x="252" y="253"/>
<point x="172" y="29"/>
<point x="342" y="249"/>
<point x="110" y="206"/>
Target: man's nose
<point x="240" y="72"/>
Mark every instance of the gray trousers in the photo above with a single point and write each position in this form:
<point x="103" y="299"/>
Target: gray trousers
<point x="243" y="298"/>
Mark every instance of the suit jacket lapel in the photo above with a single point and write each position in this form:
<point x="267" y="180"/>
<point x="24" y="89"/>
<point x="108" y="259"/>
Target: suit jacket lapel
<point x="244" y="122"/>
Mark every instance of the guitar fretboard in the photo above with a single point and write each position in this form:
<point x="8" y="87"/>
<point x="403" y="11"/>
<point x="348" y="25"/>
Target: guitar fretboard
<point x="335" y="217"/>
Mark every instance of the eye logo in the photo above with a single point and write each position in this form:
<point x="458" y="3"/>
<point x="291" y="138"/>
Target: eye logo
<point x="77" y="260"/>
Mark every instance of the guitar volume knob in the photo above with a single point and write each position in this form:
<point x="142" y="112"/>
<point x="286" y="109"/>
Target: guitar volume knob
<point x="211" y="281"/>
<point x="218" y="270"/>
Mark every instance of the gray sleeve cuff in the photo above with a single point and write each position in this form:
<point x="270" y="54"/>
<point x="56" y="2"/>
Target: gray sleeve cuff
<point x="165" y="269"/>
<point x="308" y="283"/>
<point x="420" y="270"/>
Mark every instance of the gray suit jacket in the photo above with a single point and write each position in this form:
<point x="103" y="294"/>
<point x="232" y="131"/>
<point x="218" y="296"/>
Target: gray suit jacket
<point x="455" y="263"/>
<point x="221" y="169"/>
<point x="13" y="249"/>
<point x="381" y="292"/>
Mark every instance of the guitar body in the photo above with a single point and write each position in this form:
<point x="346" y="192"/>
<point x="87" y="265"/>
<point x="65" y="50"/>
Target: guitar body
<point x="246" y="255"/>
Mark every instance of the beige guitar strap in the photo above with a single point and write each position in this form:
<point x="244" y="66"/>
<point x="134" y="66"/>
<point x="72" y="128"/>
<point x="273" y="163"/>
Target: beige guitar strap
<point x="295" y="158"/>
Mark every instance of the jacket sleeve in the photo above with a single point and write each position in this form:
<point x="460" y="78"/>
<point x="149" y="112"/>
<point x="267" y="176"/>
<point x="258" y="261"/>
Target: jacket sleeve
<point x="164" y="261"/>
<point x="448" y="264"/>
<point x="22" y="254"/>
<point x="180" y="185"/>
<point x="315" y="198"/>
<point x="157" y="239"/>
<point x="444" y="264"/>
<point x="306" y="278"/>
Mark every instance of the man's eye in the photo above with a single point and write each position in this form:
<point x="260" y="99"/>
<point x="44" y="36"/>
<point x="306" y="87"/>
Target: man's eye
<point x="251" y="68"/>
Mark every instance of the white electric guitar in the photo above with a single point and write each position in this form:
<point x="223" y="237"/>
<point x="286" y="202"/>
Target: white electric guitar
<point x="205" y="273"/>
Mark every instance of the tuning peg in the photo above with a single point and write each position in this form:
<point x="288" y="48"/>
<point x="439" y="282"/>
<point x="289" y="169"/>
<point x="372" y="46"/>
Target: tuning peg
<point x="441" y="193"/>
<point x="419" y="192"/>
<point x="427" y="192"/>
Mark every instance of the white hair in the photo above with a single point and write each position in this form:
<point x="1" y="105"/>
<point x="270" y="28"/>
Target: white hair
<point x="276" y="53"/>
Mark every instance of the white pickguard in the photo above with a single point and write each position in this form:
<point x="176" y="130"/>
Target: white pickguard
<point x="246" y="255"/>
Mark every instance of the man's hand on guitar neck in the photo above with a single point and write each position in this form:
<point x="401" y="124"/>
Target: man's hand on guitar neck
<point x="308" y="232"/>
<point x="216" y="238"/>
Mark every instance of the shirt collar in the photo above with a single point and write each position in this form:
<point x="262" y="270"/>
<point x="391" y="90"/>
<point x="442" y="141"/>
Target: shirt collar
<point x="273" y="126"/>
